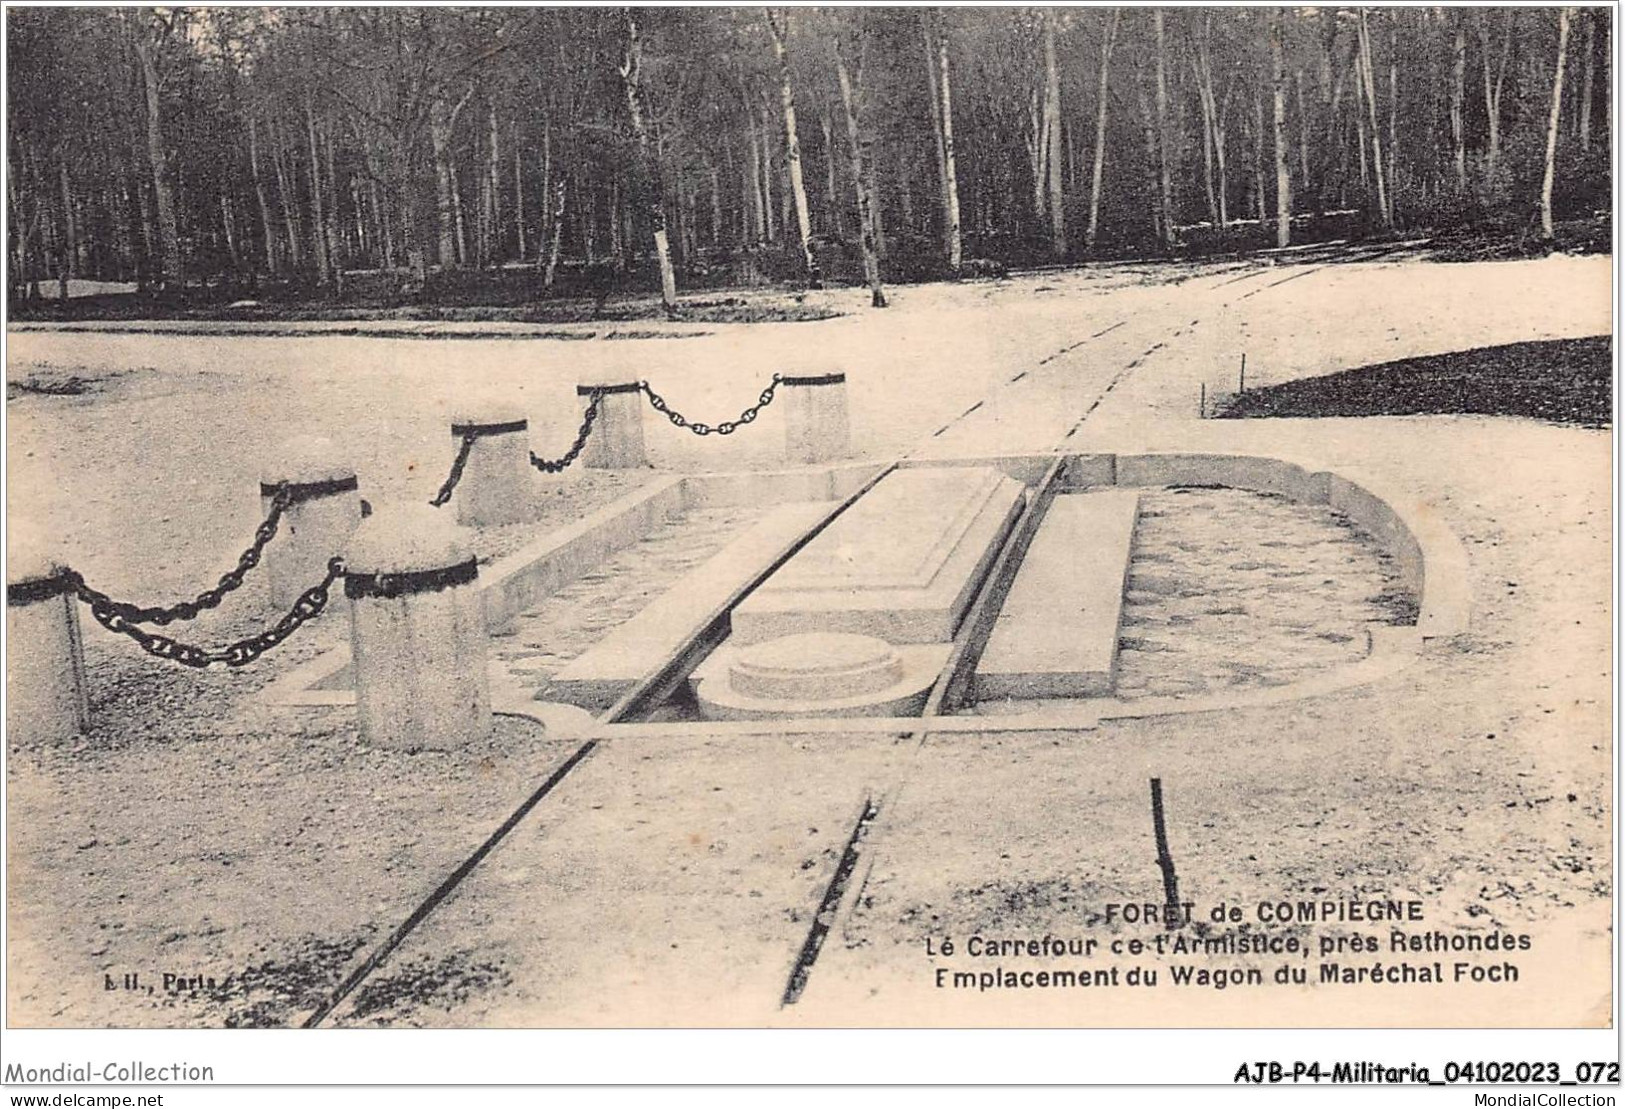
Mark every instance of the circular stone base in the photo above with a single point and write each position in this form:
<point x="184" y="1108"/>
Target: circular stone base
<point x="835" y="675"/>
<point x="815" y="666"/>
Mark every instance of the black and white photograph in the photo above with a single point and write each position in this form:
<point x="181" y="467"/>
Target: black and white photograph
<point x="850" y="517"/>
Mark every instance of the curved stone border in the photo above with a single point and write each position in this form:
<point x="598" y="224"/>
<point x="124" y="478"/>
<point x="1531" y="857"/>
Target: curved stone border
<point x="1432" y="562"/>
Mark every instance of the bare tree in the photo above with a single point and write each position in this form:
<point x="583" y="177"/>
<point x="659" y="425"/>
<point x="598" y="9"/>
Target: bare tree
<point x="151" y="29"/>
<point x="1213" y="128"/>
<point x="259" y="193"/>
<point x="860" y="179"/>
<point x="1165" y="185"/>
<point x="649" y="179"/>
<point x="1458" y="97"/>
<point x="1587" y="88"/>
<point x="1283" y="182"/>
<point x="1107" y="43"/>
<point x="792" y="145"/>
<point x="558" y="236"/>
<point x="1052" y="137"/>
<point x="942" y="96"/>
<point x="1385" y="212"/>
<point x="1564" y="15"/>
<point x="1493" y="87"/>
<point x="447" y="202"/>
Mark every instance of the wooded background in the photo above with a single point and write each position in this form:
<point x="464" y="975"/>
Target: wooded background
<point x="681" y="147"/>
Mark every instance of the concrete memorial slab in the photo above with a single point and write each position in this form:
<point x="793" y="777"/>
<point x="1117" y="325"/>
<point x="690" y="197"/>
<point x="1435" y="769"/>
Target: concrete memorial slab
<point x="901" y="564"/>
<point x="1056" y="635"/>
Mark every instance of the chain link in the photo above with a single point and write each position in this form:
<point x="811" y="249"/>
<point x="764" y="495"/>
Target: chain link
<point x="310" y="604"/>
<point x="727" y="427"/>
<point x="570" y="455"/>
<point x="456" y="474"/>
<point x="209" y="598"/>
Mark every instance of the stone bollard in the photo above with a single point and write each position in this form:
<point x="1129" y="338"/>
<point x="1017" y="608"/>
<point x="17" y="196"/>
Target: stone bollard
<point x="417" y="637"/>
<point x="45" y="666"/>
<point x="816" y="427"/>
<point x="323" y="509"/>
<point x="495" y="488"/>
<point x="616" y="442"/>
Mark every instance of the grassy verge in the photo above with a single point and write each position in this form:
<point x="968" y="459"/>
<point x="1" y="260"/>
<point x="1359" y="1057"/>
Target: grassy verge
<point x="1563" y="381"/>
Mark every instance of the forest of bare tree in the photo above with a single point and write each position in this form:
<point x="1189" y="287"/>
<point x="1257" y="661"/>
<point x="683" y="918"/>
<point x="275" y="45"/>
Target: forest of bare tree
<point x="355" y="153"/>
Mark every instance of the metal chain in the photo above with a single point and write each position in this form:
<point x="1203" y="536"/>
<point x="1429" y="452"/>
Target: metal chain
<point x="310" y="604"/>
<point x="570" y="455"/>
<point x="209" y="598"/>
<point x="456" y="474"/>
<point x="727" y="427"/>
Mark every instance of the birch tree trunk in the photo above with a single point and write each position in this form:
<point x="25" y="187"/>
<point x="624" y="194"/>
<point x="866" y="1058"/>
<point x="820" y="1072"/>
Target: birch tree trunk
<point x="1149" y="132"/>
<point x="935" y="98"/>
<point x="1385" y="212"/>
<point x="290" y="207"/>
<point x="1213" y="121"/>
<point x="334" y="224"/>
<point x="753" y="181"/>
<point x="837" y="218"/>
<point x="1587" y="88"/>
<point x="66" y="246"/>
<point x="545" y="231"/>
<point x="1563" y="18"/>
<point x="1259" y="191"/>
<point x="1359" y="117"/>
<point x="1283" y="182"/>
<point x="1303" y="136"/>
<point x="1393" y="107"/>
<point x="632" y="79"/>
<point x="445" y="197"/>
<point x="770" y="222"/>
<point x="163" y="196"/>
<point x="493" y="212"/>
<point x="951" y="178"/>
<point x="1164" y="179"/>
<point x="518" y="193"/>
<point x="1052" y="133"/>
<point x="1458" y="96"/>
<point x="318" y="226"/>
<point x="792" y="151"/>
<point x="1207" y="169"/>
<point x="259" y="193"/>
<point x="860" y="179"/>
<point x="457" y="213"/>
<point x="1038" y="148"/>
<point x="1107" y="43"/>
<point x="1493" y="88"/>
<point x="558" y="237"/>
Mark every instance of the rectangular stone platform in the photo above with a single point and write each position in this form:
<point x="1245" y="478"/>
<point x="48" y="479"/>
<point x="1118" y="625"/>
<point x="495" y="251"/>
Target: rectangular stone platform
<point x="903" y="563"/>
<point x="596" y="679"/>
<point x="1056" y="635"/>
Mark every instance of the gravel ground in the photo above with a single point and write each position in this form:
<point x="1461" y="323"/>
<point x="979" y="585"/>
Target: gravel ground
<point x="1230" y="590"/>
<point x="264" y="861"/>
